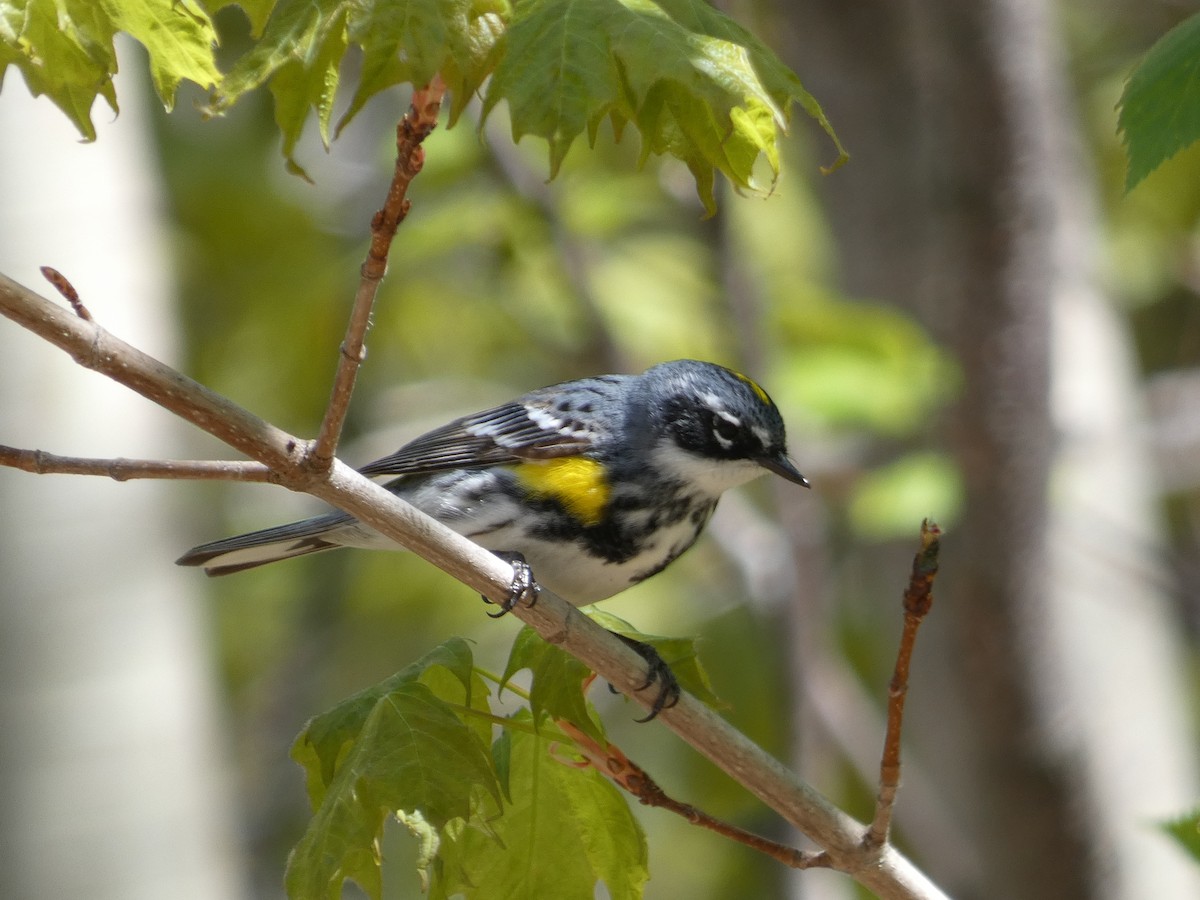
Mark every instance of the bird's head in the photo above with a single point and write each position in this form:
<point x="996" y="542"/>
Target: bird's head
<point x="713" y="427"/>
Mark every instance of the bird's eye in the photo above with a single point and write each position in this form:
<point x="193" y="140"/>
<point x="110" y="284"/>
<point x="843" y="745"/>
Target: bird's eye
<point x="725" y="429"/>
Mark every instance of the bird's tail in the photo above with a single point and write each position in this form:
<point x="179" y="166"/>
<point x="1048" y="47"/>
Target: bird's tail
<point x="246" y="551"/>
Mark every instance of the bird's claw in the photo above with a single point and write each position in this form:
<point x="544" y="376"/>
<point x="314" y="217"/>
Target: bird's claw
<point x="656" y="670"/>
<point x="523" y="587"/>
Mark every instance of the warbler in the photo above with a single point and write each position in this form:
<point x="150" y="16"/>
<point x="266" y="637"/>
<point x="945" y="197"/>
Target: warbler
<point x="595" y="484"/>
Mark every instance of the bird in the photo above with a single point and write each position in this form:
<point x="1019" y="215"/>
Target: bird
<point x="588" y="486"/>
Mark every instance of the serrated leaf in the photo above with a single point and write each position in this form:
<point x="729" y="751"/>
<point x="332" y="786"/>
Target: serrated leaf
<point x="64" y="48"/>
<point x="294" y="28"/>
<point x="465" y="70"/>
<point x="414" y="40"/>
<point x="413" y="753"/>
<point x="558" y="677"/>
<point x="11" y="20"/>
<point x="1160" y="107"/>
<point x="310" y="82"/>
<point x="304" y="42"/>
<point x="679" y="69"/>
<point x="1186" y="830"/>
<point x="327" y="737"/>
<point x="178" y="36"/>
<point x="447" y="685"/>
<point x="566" y="830"/>
<point x="696" y="84"/>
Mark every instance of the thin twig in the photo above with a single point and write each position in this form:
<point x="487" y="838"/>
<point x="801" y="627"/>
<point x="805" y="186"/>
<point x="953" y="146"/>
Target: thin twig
<point x="120" y="469"/>
<point x="609" y="760"/>
<point x="918" y="600"/>
<point x="416" y="125"/>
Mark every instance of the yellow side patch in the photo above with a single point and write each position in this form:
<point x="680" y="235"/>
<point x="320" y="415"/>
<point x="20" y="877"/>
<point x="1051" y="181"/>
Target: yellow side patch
<point x="579" y="484"/>
<point x="762" y="395"/>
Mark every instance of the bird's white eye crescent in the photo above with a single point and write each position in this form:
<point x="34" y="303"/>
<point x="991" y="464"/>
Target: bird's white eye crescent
<point x="725" y="429"/>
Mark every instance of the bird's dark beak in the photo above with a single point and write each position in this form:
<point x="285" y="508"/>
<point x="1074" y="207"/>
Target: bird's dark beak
<point x="782" y="466"/>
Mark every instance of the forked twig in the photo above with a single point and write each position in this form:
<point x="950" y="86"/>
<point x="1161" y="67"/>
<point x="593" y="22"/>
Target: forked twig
<point x="918" y="600"/>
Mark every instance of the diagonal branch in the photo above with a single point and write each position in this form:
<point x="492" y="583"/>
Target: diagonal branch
<point x="882" y="870"/>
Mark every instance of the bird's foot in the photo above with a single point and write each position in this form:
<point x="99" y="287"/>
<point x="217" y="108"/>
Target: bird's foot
<point x="656" y="670"/>
<point x="523" y="587"/>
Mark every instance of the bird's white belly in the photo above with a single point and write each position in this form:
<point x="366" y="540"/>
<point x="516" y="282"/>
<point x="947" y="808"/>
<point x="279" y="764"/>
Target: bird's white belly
<point x="496" y="522"/>
<point x="580" y="578"/>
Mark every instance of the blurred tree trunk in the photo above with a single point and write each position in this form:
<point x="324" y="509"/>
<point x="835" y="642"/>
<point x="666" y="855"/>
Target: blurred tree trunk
<point x="966" y="202"/>
<point x="110" y="759"/>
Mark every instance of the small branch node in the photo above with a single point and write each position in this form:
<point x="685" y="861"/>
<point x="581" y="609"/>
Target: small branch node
<point x="64" y="287"/>
<point x="356" y="355"/>
<point x="562" y="634"/>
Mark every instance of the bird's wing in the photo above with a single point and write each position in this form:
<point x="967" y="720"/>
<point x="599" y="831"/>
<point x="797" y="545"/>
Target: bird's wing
<point x="537" y="426"/>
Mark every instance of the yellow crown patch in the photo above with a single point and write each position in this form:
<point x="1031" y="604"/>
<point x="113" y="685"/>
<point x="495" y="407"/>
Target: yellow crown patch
<point x="579" y="484"/>
<point x="759" y="392"/>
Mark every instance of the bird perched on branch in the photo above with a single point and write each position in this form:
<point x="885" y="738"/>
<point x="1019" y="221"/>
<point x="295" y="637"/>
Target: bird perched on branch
<point x="591" y="485"/>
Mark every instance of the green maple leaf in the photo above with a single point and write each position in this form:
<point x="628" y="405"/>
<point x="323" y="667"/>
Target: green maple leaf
<point x="397" y="746"/>
<point x="558" y="679"/>
<point x="692" y="82"/>
<point x="688" y="79"/>
<point x="402" y="41"/>
<point x="257" y="11"/>
<point x="64" y="48"/>
<point x="1160" y="107"/>
<point x="564" y="830"/>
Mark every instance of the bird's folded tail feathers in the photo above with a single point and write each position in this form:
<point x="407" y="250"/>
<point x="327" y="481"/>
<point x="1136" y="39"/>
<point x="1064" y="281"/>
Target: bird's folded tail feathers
<point x="247" y="551"/>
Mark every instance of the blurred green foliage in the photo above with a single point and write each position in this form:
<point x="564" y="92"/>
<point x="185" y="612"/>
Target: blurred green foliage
<point x="1186" y="830"/>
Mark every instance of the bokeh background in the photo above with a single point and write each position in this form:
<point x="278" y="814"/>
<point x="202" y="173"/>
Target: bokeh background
<point x="971" y="321"/>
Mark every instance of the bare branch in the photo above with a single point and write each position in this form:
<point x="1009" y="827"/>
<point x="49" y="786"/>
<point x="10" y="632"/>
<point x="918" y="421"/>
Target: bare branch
<point x="416" y="125"/>
<point x="42" y="463"/>
<point x="918" y="600"/>
<point x="882" y="869"/>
